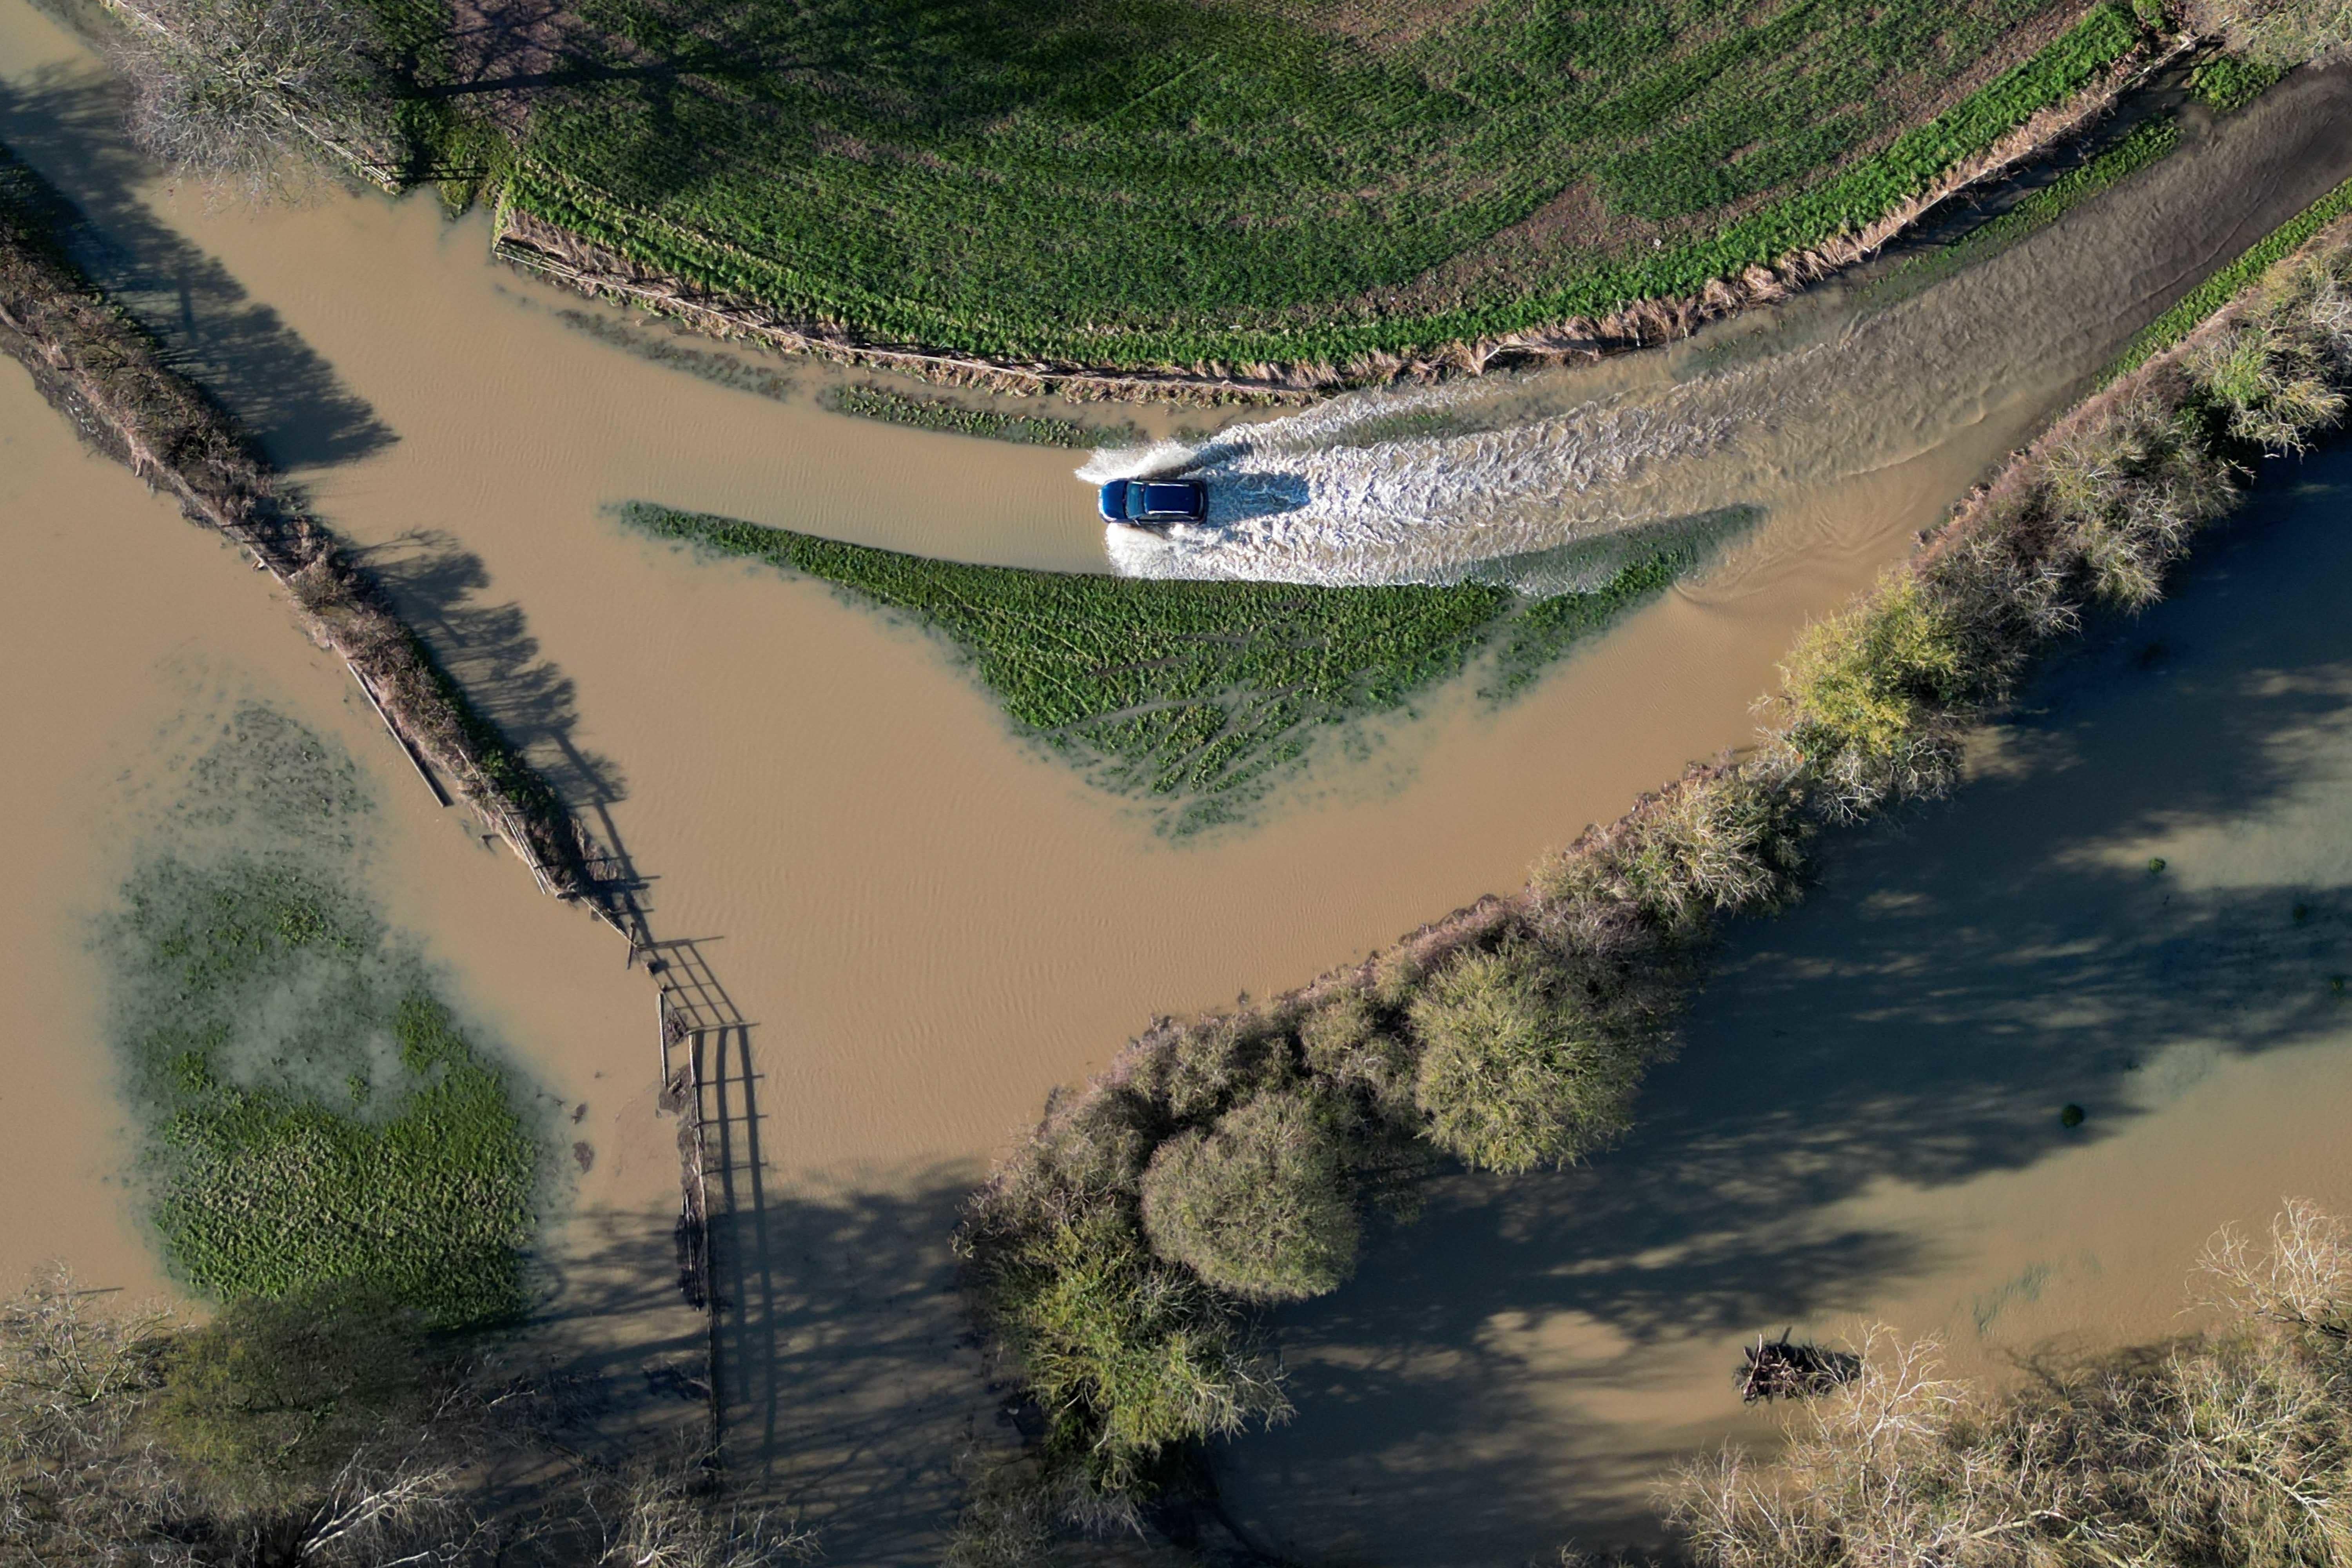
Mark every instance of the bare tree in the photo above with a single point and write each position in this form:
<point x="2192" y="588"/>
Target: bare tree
<point x="2281" y="33"/>
<point x="249" y="90"/>
<point x="669" y="1514"/>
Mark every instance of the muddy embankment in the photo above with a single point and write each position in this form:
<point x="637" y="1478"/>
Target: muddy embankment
<point x="110" y="377"/>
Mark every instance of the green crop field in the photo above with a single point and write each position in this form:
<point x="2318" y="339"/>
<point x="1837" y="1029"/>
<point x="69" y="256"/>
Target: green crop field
<point x="1194" y="695"/>
<point x="1129" y="182"/>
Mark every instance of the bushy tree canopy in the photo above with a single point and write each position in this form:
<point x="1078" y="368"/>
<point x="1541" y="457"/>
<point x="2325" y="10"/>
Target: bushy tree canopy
<point x="1514" y="1072"/>
<point x="1260" y="1204"/>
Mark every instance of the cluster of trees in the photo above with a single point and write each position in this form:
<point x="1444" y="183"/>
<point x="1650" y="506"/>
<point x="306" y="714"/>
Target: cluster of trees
<point x="1880" y="697"/>
<point x="329" y="1430"/>
<point x="2233" y="1447"/>
<point x="253" y="91"/>
<point x="1226" y="1163"/>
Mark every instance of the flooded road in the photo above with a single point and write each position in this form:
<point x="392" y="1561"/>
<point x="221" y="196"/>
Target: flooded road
<point x="1423" y="485"/>
<point x="927" y="924"/>
<point x="1864" y="1121"/>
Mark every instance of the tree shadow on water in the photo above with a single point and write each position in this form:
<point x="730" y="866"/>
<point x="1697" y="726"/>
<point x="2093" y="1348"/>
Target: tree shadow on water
<point x="1514" y="1370"/>
<point x="68" y="128"/>
<point x="487" y="649"/>
<point x="851" y="1377"/>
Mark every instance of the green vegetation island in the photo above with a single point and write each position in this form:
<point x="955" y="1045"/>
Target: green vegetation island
<point x="1199" y="696"/>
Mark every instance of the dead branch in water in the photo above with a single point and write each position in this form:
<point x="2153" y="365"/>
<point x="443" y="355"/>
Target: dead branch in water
<point x="1778" y="1369"/>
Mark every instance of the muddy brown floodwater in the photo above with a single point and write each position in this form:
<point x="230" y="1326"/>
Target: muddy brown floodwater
<point x="926" y="924"/>
<point x="1864" y="1121"/>
<point x="122" y="627"/>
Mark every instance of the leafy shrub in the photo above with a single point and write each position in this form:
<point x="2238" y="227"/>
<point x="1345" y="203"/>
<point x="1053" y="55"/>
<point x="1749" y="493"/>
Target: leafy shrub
<point x="2272" y="387"/>
<point x="1515" y="1073"/>
<point x="1219" y="1060"/>
<point x="1869" y="692"/>
<point x="1260" y="1203"/>
<point x="1345" y="1047"/>
<point x="1721" y="841"/>
<point x="1126" y="1354"/>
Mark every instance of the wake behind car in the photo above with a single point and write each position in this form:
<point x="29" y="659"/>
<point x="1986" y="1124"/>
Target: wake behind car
<point x="1148" y="503"/>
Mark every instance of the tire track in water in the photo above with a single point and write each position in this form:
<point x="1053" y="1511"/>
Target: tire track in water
<point x="1425" y="484"/>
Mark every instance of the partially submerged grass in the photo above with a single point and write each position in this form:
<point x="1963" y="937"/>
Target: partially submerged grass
<point x="1194" y="694"/>
<point x="314" y="1112"/>
<point x="931" y="411"/>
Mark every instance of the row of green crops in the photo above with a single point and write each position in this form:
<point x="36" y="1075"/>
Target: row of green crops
<point x="1156" y="181"/>
<point x="932" y="412"/>
<point x="315" y="1114"/>
<point x="1193" y="694"/>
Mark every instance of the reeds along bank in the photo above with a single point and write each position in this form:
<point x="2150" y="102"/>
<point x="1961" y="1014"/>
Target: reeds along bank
<point x="1119" y="1255"/>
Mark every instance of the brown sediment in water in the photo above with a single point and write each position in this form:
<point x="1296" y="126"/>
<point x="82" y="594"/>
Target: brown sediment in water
<point x="1521" y="1367"/>
<point x="113" y="381"/>
<point x="175" y="632"/>
<point x="925" y="925"/>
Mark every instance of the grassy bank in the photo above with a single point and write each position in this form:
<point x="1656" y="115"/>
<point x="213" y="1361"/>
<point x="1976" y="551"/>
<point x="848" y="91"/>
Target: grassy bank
<point x="1194" y="695"/>
<point x="1104" y="183"/>
<point x="1515" y="1033"/>
<point x="933" y="413"/>
<point x="315" y="1115"/>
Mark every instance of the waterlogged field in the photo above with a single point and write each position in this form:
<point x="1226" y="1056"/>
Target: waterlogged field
<point x="1154" y="181"/>
<point x="314" y="1112"/>
<point x="1194" y="693"/>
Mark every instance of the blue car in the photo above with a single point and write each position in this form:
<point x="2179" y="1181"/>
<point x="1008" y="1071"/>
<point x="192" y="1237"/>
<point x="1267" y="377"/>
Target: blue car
<point x="1148" y="503"/>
